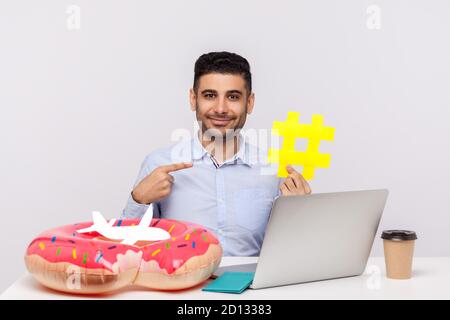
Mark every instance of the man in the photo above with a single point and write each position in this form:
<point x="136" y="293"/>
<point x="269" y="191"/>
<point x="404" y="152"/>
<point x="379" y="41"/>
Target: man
<point x="215" y="182"/>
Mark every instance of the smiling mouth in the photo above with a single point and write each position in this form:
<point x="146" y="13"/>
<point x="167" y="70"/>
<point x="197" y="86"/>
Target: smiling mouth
<point x="220" y="122"/>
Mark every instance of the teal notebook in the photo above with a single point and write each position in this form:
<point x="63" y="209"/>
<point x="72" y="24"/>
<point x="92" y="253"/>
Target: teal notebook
<point x="231" y="282"/>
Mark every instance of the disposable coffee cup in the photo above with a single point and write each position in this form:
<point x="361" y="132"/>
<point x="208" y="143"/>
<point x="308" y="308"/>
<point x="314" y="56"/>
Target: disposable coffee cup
<point x="398" y="253"/>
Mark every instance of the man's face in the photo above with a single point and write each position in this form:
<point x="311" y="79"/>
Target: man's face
<point x="221" y="103"/>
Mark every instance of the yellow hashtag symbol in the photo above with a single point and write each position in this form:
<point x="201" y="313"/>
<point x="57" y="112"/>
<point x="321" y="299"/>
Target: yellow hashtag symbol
<point x="309" y="159"/>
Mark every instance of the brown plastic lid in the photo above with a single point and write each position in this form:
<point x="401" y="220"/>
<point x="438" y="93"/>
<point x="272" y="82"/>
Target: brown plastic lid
<point x="398" y="235"/>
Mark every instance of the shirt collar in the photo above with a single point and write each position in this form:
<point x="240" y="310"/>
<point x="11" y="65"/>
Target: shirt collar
<point x="198" y="152"/>
<point x="242" y="156"/>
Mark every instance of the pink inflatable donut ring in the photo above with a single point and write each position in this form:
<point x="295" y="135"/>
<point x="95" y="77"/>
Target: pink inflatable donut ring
<point x="65" y="260"/>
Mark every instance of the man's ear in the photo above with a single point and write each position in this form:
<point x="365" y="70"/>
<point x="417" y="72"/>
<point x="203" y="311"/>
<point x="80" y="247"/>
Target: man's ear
<point x="250" y="102"/>
<point x="192" y="99"/>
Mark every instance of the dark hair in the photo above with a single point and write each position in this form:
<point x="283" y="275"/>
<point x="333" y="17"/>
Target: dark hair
<point x="222" y="62"/>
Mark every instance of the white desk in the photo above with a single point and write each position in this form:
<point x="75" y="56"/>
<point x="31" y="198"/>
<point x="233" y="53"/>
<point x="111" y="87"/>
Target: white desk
<point x="431" y="280"/>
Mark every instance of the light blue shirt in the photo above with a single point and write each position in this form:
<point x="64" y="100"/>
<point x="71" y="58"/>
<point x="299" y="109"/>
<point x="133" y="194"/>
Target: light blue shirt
<point x="233" y="200"/>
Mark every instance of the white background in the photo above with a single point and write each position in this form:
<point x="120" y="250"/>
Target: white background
<point x="81" y="108"/>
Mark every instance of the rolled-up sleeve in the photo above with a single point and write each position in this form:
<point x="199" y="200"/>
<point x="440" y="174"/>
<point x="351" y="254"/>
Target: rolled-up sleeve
<point x="134" y="210"/>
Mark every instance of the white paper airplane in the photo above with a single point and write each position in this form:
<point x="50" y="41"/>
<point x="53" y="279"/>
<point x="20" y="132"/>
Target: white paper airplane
<point x="129" y="234"/>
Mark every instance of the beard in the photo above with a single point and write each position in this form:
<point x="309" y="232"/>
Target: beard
<point x="222" y="133"/>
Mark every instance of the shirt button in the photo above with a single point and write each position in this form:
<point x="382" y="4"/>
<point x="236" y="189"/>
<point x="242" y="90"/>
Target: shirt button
<point x="220" y="232"/>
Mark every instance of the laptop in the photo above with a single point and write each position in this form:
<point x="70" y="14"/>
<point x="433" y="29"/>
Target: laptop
<point x="316" y="237"/>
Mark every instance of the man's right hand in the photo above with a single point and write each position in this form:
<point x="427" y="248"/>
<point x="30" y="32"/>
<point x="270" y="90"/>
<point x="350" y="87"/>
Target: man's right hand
<point x="158" y="184"/>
